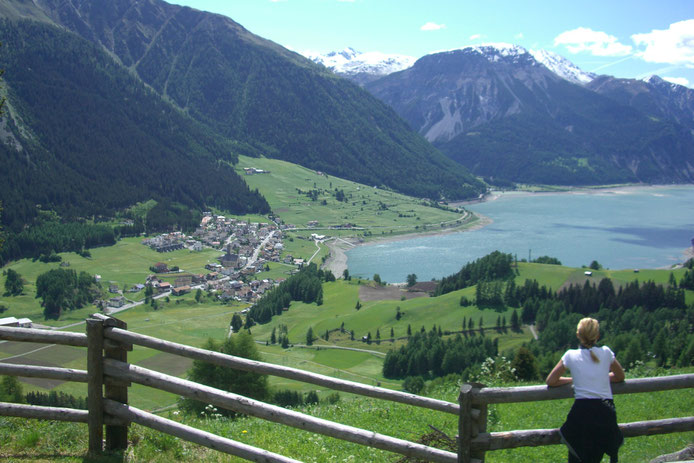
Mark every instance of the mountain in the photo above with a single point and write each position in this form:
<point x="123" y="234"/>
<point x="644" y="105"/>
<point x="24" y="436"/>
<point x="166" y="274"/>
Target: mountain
<point x="243" y="87"/>
<point x="81" y="136"/>
<point x="562" y="67"/>
<point x="500" y="112"/>
<point x="362" y="67"/>
<point x="653" y="96"/>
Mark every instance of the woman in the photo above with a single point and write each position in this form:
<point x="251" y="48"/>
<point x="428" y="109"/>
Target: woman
<point x="591" y="428"/>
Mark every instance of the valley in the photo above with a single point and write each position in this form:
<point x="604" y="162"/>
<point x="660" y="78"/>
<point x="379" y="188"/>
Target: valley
<point x="411" y="219"/>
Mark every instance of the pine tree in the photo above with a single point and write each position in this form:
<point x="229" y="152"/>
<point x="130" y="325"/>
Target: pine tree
<point x="309" y="336"/>
<point x="515" y="323"/>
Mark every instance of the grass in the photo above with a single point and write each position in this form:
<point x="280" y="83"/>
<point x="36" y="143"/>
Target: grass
<point x="378" y="211"/>
<point x="31" y="440"/>
<point x="124" y="264"/>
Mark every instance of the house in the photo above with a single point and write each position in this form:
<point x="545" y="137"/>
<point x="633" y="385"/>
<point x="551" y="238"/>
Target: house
<point x="164" y="286"/>
<point x="24" y="322"/>
<point x="197" y="246"/>
<point x="136" y="288"/>
<point x="116" y="302"/>
<point x="211" y="276"/>
<point x="160" y="267"/>
<point x="113" y="289"/>
<point x="180" y="290"/>
<point x="199" y="278"/>
<point x="588" y="273"/>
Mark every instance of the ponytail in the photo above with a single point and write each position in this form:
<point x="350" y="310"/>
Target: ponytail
<point x="588" y="332"/>
<point x="593" y="356"/>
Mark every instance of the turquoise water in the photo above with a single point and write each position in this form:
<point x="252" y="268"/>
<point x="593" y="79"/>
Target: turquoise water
<point x="646" y="227"/>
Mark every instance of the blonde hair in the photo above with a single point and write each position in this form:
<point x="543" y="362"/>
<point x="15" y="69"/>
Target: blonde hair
<point x="588" y="332"/>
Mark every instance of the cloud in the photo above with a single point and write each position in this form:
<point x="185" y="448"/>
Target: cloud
<point x="430" y="26"/>
<point x="595" y="42"/>
<point x="519" y="36"/>
<point x="674" y="45"/>
<point x="678" y="80"/>
<point x="475" y="36"/>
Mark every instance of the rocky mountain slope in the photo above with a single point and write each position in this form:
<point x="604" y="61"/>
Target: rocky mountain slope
<point x="653" y="96"/>
<point x="502" y="113"/>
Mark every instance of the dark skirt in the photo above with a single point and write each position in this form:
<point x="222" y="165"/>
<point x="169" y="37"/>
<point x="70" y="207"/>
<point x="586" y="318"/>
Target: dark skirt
<point x="591" y="430"/>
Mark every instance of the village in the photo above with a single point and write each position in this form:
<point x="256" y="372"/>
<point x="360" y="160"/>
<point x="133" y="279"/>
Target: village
<point x="247" y="248"/>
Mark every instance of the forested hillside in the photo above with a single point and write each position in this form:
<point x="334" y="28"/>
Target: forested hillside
<point x="81" y="136"/>
<point x="250" y="89"/>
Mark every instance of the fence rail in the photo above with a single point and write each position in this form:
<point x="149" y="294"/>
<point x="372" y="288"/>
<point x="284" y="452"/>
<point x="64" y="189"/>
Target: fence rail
<point x="243" y="364"/>
<point x="109" y="375"/>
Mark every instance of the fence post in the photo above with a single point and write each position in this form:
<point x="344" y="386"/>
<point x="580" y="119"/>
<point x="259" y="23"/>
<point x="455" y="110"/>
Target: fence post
<point x="115" y="389"/>
<point x="465" y="424"/>
<point x="95" y="372"/>
<point x="479" y="419"/>
<point x="471" y="422"/>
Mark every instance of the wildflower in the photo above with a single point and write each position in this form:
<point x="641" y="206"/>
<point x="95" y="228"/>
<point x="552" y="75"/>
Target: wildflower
<point x="244" y="432"/>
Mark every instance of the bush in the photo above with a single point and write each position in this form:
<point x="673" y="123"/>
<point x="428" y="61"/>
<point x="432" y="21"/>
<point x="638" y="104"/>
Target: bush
<point x="413" y="384"/>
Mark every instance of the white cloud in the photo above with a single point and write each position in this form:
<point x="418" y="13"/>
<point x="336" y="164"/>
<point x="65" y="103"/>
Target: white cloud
<point x="678" y="80"/>
<point x="430" y="26"/>
<point x="595" y="42"/>
<point x="674" y="45"/>
<point x="519" y="36"/>
<point x="475" y="36"/>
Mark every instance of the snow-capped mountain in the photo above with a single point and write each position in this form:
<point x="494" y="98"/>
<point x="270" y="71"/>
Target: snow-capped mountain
<point x="562" y="67"/>
<point x="362" y="67"/>
<point x="502" y="112"/>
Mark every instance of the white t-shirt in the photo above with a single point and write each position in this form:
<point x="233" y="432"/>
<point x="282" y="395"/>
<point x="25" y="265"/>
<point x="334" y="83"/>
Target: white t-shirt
<point x="591" y="379"/>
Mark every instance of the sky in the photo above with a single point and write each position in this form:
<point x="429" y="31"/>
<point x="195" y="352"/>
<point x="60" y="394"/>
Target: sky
<point x="630" y="39"/>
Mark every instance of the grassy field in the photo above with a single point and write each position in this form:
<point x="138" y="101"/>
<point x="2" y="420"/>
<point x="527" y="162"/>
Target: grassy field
<point x="380" y="212"/>
<point x="124" y="264"/>
<point x="23" y="440"/>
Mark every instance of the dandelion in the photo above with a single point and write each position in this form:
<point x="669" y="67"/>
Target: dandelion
<point x="244" y="432"/>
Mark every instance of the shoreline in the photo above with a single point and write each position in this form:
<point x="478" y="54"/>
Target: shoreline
<point x="337" y="260"/>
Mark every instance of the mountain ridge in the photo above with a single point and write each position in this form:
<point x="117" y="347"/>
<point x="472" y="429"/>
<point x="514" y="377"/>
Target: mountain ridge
<point x="504" y="115"/>
<point x="252" y="90"/>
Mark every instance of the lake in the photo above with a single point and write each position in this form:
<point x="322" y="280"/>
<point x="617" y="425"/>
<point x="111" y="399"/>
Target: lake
<point x="639" y="227"/>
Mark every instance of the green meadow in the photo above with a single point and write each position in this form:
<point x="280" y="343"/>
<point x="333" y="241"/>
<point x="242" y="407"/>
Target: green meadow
<point x="373" y="210"/>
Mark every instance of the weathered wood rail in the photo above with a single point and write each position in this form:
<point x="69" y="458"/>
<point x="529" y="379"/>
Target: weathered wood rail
<point x="474" y="440"/>
<point x="109" y="375"/>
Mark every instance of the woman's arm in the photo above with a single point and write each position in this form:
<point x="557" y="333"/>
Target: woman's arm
<point x="616" y="372"/>
<point x="555" y="377"/>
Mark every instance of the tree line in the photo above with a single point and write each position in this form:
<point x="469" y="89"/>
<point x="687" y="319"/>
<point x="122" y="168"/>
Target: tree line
<point x="428" y="355"/>
<point x="305" y="286"/>
<point x="63" y="289"/>
<point x="494" y="266"/>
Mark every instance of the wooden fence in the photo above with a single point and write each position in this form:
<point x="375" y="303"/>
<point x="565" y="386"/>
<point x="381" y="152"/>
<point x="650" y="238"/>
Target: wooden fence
<point x="108" y="377"/>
